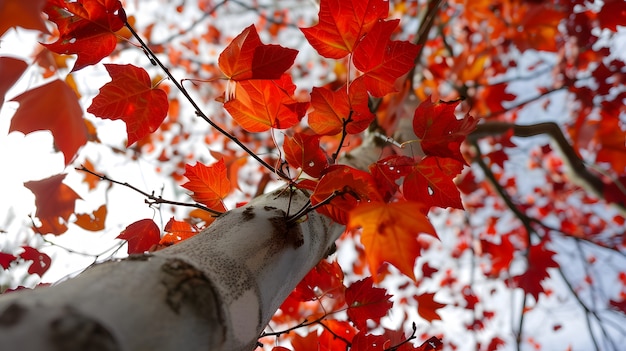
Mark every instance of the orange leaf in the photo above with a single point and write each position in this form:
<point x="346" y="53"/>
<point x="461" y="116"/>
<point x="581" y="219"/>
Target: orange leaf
<point x="334" y="109"/>
<point x="263" y="104"/>
<point x="55" y="203"/>
<point x="246" y="57"/>
<point x="11" y="70"/>
<point x="20" y="13"/>
<point x="381" y="71"/>
<point x="209" y="184"/>
<point x="342" y="24"/>
<point x="427" y="307"/>
<point x="130" y="97"/>
<point x="86" y="28"/>
<point x="177" y="231"/>
<point x="390" y="233"/>
<point x="64" y="121"/>
<point x="94" y="221"/>
<point x="141" y="236"/>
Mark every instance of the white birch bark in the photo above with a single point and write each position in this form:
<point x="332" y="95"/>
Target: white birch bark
<point x="214" y="291"/>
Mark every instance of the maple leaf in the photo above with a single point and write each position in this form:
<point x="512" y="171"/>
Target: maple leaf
<point x="19" y="13"/>
<point x="611" y="15"/>
<point x="381" y="71"/>
<point x="345" y="107"/>
<point x="41" y="261"/>
<point x="303" y="151"/>
<point x="366" y="302"/>
<point x="346" y="186"/>
<point x="246" y="57"/>
<point x="501" y="255"/>
<point x="263" y="104"/>
<point x="6" y="259"/>
<point x="539" y="260"/>
<point x="209" y="184"/>
<point x="130" y="97"/>
<point x="141" y="236"/>
<point x="342" y="24"/>
<point x="439" y="131"/>
<point x="388" y="171"/>
<point x="177" y="231"/>
<point x="368" y="342"/>
<point x="427" y="306"/>
<point x="431" y="183"/>
<point x="64" y="121"/>
<point x="390" y="233"/>
<point x="94" y="221"/>
<point x="328" y="339"/>
<point x="86" y="28"/>
<point x="55" y="203"/>
<point x="324" y="280"/>
<point x="11" y="69"/>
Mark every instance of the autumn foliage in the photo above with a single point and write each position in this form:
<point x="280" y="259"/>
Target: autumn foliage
<point x="441" y="107"/>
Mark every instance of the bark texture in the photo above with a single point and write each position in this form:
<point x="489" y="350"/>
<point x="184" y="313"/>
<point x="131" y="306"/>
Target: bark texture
<point x="215" y="291"/>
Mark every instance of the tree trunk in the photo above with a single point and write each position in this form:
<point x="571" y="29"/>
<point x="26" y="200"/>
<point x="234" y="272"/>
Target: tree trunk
<point x="214" y="291"/>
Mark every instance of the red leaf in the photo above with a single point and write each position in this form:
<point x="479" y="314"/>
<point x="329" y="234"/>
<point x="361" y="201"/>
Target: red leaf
<point x="92" y="221"/>
<point x="177" y="231"/>
<point x="390" y="233"/>
<point x="130" y="97"/>
<point x="501" y="255"/>
<point x="64" y="121"/>
<point x="612" y="14"/>
<point x="381" y="71"/>
<point x="86" y="28"/>
<point x="617" y="305"/>
<point x="210" y="184"/>
<point x="334" y="109"/>
<point x="303" y="151"/>
<point x="432" y="344"/>
<point x="141" y="236"/>
<point x="324" y="280"/>
<point x="259" y="105"/>
<point x="350" y="184"/>
<point x="366" y="302"/>
<point x="6" y="259"/>
<point x="431" y="183"/>
<point x="41" y="261"/>
<point x="439" y="131"/>
<point x="342" y="24"/>
<point x="246" y="57"/>
<point x="539" y="260"/>
<point x="368" y="342"/>
<point x="427" y="307"/>
<point x="389" y="170"/>
<point x="20" y="13"/>
<point x="55" y="203"/>
<point x="11" y="70"/>
<point x="329" y="341"/>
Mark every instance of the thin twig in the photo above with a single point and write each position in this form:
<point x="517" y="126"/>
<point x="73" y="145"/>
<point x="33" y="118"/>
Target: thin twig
<point x="151" y="198"/>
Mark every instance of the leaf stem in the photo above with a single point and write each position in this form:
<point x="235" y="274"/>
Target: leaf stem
<point x="151" y="198"/>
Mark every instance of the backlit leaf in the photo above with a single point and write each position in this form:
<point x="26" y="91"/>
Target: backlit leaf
<point x="390" y="233"/>
<point x="209" y="184"/>
<point x="303" y="151"/>
<point x="539" y="260"/>
<point x="55" y="203"/>
<point x="246" y="57"/>
<point x="177" y="231"/>
<point x="342" y="24"/>
<point x="130" y="97"/>
<point x="64" y="121"/>
<point x="6" y="259"/>
<point x="431" y="183"/>
<point x="259" y="105"/>
<point x="86" y="28"/>
<point x="141" y="236"/>
<point x="11" y="70"/>
<point x="366" y="302"/>
<point x="394" y="58"/>
<point x="439" y="131"/>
